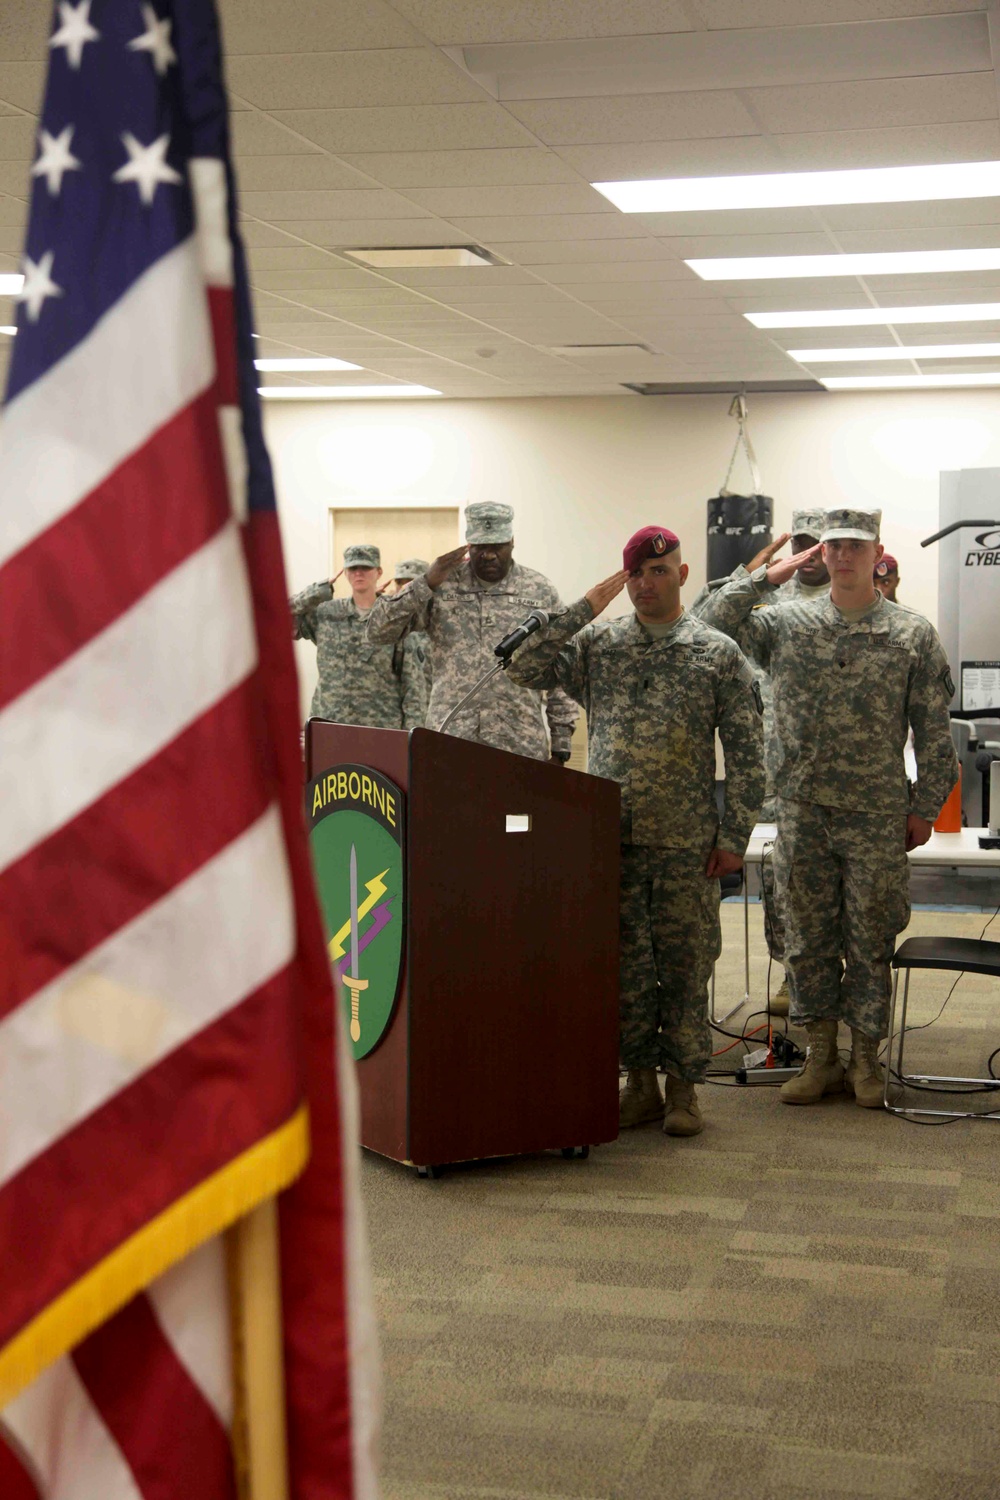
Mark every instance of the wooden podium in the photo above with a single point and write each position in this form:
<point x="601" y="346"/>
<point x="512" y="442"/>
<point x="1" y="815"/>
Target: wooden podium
<point x="504" y="1035"/>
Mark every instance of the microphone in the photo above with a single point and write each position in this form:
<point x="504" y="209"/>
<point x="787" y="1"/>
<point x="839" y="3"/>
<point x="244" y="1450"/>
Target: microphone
<point x="536" y="620"/>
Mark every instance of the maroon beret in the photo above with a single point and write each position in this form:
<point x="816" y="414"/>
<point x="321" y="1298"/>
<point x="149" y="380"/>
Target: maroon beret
<point x="886" y="564"/>
<point x="648" y="541"/>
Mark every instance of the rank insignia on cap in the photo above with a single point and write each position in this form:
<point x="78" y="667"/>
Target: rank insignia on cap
<point x="659" y="544"/>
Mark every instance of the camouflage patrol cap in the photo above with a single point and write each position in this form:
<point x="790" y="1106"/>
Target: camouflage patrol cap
<point x="488" y="521"/>
<point x="808" y="523"/>
<point x="413" y="567"/>
<point x="862" y="525"/>
<point x="362" y="555"/>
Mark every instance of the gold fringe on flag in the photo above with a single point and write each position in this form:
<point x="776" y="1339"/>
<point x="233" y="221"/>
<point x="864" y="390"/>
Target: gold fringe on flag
<point x="265" y="1169"/>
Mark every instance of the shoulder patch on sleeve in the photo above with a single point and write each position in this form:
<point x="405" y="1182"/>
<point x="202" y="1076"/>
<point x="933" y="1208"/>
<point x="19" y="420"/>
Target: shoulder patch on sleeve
<point x="757" y="696"/>
<point x="948" y="681"/>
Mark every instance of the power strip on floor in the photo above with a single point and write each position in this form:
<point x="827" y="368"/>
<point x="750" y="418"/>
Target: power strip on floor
<point x="766" y="1075"/>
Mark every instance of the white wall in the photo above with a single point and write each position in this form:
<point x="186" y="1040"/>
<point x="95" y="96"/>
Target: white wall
<point x="584" y="472"/>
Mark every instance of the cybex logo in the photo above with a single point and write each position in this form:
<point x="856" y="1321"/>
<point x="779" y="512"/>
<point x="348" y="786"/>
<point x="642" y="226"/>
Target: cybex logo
<point x="989" y="554"/>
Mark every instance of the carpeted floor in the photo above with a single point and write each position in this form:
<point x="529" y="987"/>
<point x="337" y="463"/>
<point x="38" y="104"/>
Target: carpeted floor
<point x="797" y="1305"/>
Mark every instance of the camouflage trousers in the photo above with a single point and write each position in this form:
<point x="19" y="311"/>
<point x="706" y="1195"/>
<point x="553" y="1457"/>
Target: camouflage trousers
<point x="842" y="885"/>
<point x="670" y="937"/>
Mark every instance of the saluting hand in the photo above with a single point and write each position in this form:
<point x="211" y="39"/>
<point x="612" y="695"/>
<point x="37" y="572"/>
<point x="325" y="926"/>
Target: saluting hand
<point x="780" y="572"/>
<point x="333" y="580"/>
<point x="766" y="553"/>
<point x="601" y="595"/>
<point x="442" y="567"/>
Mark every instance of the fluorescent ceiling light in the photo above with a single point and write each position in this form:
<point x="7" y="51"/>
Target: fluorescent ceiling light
<point x="11" y="284"/>
<point x="8" y="328"/>
<point x="428" y="255"/>
<point x="304" y="364"/>
<point x="889" y="263"/>
<point x="904" y="382"/>
<point x="896" y="351"/>
<point x="977" y="179"/>
<point x="863" y="317"/>
<point x="341" y="392"/>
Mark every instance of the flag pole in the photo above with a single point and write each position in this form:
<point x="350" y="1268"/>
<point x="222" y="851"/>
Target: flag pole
<point x="260" y="1442"/>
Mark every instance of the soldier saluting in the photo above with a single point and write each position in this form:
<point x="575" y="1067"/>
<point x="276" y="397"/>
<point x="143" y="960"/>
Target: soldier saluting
<point x="378" y="686"/>
<point x="849" y="673"/>
<point x="466" y="602"/>
<point x="657" y="685"/>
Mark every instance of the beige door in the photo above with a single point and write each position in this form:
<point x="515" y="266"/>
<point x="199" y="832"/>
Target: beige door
<point x="398" y="533"/>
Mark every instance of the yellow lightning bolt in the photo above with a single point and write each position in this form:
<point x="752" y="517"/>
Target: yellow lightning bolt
<point x="375" y="888"/>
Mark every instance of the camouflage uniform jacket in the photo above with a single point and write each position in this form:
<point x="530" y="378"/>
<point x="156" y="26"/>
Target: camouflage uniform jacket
<point x="464" y="619"/>
<point x="359" y="683"/>
<point x="653" y="707"/>
<point x="792" y="590"/>
<point x="844" y="695"/>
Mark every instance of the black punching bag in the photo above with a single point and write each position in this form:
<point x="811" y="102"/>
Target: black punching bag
<point x="738" y="526"/>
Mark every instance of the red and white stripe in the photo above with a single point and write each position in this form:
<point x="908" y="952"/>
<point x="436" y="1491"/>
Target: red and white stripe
<point x="142" y="1409"/>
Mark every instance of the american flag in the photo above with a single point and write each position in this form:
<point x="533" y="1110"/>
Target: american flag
<point x="162" y="959"/>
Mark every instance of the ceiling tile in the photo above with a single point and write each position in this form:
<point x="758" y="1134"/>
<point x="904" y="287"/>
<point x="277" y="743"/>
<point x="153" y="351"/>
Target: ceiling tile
<point x="660" y="117"/>
<point x="15" y="179"/>
<point x="309" y="280"/>
<point x="346" y="80"/>
<point x="882" y="103"/>
<point x="299" y="259"/>
<point x="745" y="59"/>
<point x="461" y="276"/>
<point x="426" y="127"/>
<point x="750" y="244"/>
<point x="913" y="145"/>
<point x="13" y="211"/>
<point x="384" y="296"/>
<point x="265" y="174"/>
<point x="499" y="296"/>
<point x="17" y="138"/>
<point x="263" y="236"/>
<point x="21" y="83"/>
<point x="373" y="233"/>
<point x="584" y="252"/>
<point x="923" y="215"/>
<point x="24" y="31"/>
<point x="730" y="222"/>
<point x="259" y="135"/>
<point x="715" y="156"/>
<point x="368" y="203"/>
<point x="549" y="227"/>
<point x="253" y="25"/>
<point x="734" y="13"/>
<point x="500" y="167"/>
<point x="462" y="22"/>
<point x="975" y="237"/>
<point x="470" y="202"/>
<point x="571" y="273"/>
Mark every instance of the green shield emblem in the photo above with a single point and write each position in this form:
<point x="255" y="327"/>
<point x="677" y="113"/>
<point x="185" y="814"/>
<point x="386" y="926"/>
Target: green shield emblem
<point x="357" y="834"/>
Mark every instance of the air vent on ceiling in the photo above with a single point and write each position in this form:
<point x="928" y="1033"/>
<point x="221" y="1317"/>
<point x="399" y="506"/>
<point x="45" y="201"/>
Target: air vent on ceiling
<point x="427" y="255"/>
<point x="718" y="387"/>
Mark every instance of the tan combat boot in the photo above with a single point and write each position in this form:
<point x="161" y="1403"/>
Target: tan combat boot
<point x="683" y="1116"/>
<point x="823" y="1072"/>
<point x="865" y="1078"/>
<point x="780" y="999"/>
<point x="640" y="1100"/>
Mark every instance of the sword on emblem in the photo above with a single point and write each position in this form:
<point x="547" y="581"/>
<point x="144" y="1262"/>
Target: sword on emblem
<point x="352" y="979"/>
